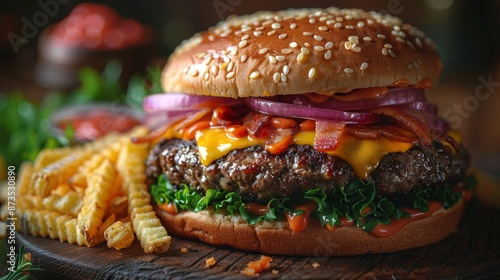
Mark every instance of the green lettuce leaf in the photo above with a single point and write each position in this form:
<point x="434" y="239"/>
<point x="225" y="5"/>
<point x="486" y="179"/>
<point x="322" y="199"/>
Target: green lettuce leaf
<point x="357" y="201"/>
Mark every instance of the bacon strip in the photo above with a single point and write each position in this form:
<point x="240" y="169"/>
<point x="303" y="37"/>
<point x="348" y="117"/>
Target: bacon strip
<point x="409" y="118"/>
<point x="327" y="135"/>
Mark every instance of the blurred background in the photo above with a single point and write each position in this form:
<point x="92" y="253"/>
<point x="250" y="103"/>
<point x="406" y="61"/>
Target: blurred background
<point x="467" y="34"/>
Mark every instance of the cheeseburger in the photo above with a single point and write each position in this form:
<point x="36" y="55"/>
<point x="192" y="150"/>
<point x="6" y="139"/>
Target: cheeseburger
<point x="305" y="132"/>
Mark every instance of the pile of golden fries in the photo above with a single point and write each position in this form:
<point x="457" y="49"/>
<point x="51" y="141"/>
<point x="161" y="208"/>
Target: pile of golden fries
<point x="91" y="194"/>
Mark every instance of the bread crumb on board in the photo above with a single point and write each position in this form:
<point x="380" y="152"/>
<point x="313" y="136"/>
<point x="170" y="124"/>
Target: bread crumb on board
<point x="210" y="262"/>
<point x="315" y="265"/>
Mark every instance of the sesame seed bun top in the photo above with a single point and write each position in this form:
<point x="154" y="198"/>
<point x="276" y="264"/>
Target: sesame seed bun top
<point x="299" y="51"/>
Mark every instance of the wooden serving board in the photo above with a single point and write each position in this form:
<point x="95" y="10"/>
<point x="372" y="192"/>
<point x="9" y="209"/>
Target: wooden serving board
<point x="473" y="251"/>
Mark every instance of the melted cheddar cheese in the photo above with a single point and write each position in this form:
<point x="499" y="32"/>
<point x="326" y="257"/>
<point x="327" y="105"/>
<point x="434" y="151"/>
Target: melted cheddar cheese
<point x="363" y="155"/>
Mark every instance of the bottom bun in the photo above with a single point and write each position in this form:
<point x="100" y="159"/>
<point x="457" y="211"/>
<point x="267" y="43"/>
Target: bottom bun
<point x="276" y="238"/>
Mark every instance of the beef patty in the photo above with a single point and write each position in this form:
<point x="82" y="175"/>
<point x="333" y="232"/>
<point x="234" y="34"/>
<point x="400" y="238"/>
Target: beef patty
<point x="260" y="176"/>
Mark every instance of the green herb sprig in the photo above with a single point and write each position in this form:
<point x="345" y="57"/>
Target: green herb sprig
<point x="22" y="268"/>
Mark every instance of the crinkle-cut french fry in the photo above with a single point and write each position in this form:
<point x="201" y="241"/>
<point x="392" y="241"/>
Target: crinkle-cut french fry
<point x="110" y="152"/>
<point x="80" y="178"/>
<point x="44" y="223"/>
<point x="61" y="227"/>
<point x="25" y="173"/>
<point x="155" y="240"/>
<point x="130" y="162"/>
<point x="71" y="203"/>
<point x="48" y="156"/>
<point x="29" y="201"/>
<point x="102" y="228"/>
<point x="73" y="235"/>
<point x="96" y="199"/>
<point x="47" y="179"/>
<point x="119" y="235"/>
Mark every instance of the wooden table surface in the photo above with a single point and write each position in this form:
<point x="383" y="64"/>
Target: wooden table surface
<point x="472" y="252"/>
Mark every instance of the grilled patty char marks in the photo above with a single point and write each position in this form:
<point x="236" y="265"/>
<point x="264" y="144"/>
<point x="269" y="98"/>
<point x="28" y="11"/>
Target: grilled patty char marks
<point x="260" y="176"/>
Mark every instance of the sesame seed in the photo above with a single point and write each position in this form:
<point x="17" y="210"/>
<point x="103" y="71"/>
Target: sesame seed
<point x="286" y="51"/>
<point x="230" y="66"/>
<point x="356" y="49"/>
<point x="254" y="75"/>
<point x="348" y="17"/>
<point x="367" y="38"/>
<point x="276" y="77"/>
<point x="293" y="45"/>
<point x="215" y="70"/>
<point x="276" y="25"/>
<point x="260" y="28"/>
<point x="323" y="28"/>
<point x="384" y="51"/>
<point x="395" y="33"/>
<point x="348" y="70"/>
<point x="312" y="73"/>
<point x="282" y="36"/>
<point x="399" y="39"/>
<point x="206" y="76"/>
<point x="360" y="24"/>
<point x="304" y="50"/>
<point x="267" y="22"/>
<point x="330" y="22"/>
<point x="370" y="21"/>
<point x="272" y="32"/>
<point x="263" y="51"/>
<point x="300" y="57"/>
<point x="397" y="27"/>
<point x="409" y="66"/>
<point x="318" y="38"/>
<point x="411" y="45"/>
<point x="280" y="58"/>
<point x="201" y="55"/>
<point x="347" y="45"/>
<point x="226" y="60"/>
<point x="328" y="45"/>
<point x="230" y="75"/>
<point x="307" y="33"/>
<point x="391" y="53"/>
<point x="286" y="69"/>
<point x="293" y="26"/>
<point x="233" y="52"/>
<point x="353" y="39"/>
<point x="245" y="29"/>
<point x="337" y="25"/>
<point x="339" y="19"/>
<point x="319" y="48"/>
<point x="418" y="42"/>
<point x="312" y="20"/>
<point x="328" y="54"/>
<point x="245" y="37"/>
<point x="242" y="44"/>
<point x="283" y="78"/>
<point x="388" y="46"/>
<point x="381" y="36"/>
<point x="194" y="73"/>
<point x="416" y="65"/>
<point x="211" y="37"/>
<point x="363" y="66"/>
<point x="272" y="59"/>
<point x="349" y="27"/>
<point x="257" y="33"/>
<point x="243" y="58"/>
<point x="307" y="44"/>
<point x="207" y="61"/>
